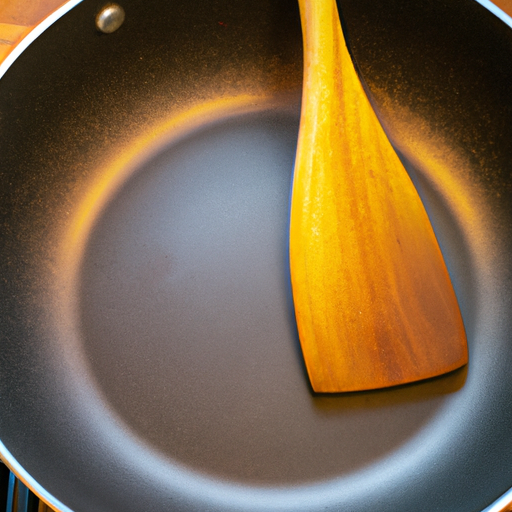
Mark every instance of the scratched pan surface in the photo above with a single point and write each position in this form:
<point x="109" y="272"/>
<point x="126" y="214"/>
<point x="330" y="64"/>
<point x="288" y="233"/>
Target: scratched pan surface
<point x="149" y="359"/>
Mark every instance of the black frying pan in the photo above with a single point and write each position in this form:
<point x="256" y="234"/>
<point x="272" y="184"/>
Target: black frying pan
<point x="149" y="359"/>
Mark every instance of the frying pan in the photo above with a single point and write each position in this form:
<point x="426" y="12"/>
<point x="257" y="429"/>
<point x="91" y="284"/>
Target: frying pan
<point x="149" y="358"/>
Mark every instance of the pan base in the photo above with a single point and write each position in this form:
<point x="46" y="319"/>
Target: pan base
<point x="187" y="319"/>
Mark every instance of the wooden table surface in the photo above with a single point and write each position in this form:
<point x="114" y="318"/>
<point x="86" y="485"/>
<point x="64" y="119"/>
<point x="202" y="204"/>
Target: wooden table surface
<point x="19" y="17"/>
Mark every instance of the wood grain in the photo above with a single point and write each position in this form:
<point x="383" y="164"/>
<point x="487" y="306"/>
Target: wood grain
<point x="374" y="303"/>
<point x="19" y="17"/>
<point x="504" y="5"/>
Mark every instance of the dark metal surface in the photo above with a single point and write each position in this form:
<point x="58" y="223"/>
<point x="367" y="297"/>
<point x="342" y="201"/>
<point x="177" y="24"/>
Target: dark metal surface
<point x="149" y="357"/>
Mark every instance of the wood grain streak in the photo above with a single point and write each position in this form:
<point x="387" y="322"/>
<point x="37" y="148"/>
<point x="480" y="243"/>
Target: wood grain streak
<point x="374" y="302"/>
<point x="19" y="17"/>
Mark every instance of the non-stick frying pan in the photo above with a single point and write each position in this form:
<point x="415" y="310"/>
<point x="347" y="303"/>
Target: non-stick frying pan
<point x="149" y="357"/>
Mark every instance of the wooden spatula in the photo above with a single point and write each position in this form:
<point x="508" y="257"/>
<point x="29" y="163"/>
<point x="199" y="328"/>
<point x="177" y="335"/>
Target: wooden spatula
<point x="373" y="299"/>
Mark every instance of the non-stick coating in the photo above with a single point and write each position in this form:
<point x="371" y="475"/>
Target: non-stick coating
<point x="149" y="358"/>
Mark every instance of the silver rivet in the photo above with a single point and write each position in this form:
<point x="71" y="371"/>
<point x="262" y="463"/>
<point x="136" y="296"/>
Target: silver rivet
<point x="110" y="18"/>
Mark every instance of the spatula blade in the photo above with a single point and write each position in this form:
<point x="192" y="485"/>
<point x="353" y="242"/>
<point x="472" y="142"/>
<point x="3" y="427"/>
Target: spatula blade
<point x="374" y="303"/>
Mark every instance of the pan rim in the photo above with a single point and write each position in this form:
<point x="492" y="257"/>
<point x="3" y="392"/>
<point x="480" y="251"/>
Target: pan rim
<point x="35" y="33"/>
<point x="8" y="459"/>
<point x="502" y="15"/>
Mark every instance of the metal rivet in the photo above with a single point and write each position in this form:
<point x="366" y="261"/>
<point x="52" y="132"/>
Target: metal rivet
<point x="110" y="18"/>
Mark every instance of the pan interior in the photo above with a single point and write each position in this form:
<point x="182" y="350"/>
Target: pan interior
<point x="177" y="382"/>
<point x="186" y="317"/>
